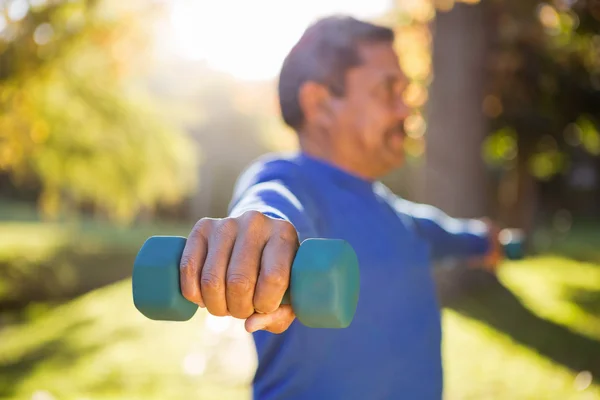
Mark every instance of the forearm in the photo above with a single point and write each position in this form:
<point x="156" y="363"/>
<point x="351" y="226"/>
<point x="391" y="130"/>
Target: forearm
<point x="458" y="238"/>
<point x="447" y="236"/>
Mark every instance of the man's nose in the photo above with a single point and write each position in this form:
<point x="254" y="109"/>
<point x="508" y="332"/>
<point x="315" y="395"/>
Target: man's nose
<point x="401" y="110"/>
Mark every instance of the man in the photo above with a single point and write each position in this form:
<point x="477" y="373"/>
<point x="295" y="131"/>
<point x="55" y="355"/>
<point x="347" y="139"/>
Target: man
<point x="341" y="90"/>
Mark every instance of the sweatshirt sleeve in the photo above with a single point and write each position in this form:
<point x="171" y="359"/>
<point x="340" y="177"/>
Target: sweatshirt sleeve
<point x="448" y="236"/>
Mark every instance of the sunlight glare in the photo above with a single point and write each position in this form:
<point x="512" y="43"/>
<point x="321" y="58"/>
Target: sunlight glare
<point x="217" y="324"/>
<point x="194" y="363"/>
<point x="249" y="39"/>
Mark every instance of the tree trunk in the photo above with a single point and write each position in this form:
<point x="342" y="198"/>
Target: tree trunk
<point x="454" y="175"/>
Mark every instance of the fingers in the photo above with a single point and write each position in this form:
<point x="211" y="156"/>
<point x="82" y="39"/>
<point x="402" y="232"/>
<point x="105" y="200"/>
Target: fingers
<point x="275" y="322"/>
<point x="192" y="261"/>
<point x="241" y="267"/>
<point x="273" y="279"/>
<point x="212" y="279"/>
<point x="242" y="272"/>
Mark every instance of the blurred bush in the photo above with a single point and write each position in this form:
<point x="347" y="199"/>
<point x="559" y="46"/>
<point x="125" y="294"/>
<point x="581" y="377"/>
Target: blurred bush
<point x="544" y="82"/>
<point x="55" y="261"/>
<point x="75" y="119"/>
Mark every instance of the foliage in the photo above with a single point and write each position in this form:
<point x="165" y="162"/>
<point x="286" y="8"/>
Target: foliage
<point x="544" y="81"/>
<point x="76" y="119"/>
<point x="50" y="261"/>
<point x="410" y="21"/>
<point x="543" y="78"/>
<point x="99" y="346"/>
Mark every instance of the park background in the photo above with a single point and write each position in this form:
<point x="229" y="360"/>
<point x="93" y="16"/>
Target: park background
<point x="124" y="119"/>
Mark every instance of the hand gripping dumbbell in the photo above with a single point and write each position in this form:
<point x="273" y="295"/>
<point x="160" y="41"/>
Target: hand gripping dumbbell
<point x="323" y="290"/>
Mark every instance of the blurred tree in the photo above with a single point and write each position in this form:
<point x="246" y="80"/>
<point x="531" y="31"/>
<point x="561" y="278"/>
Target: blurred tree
<point x="233" y="122"/>
<point x="410" y="20"/>
<point x="454" y="176"/>
<point x="537" y="78"/>
<point x="542" y="96"/>
<point x="76" y="118"/>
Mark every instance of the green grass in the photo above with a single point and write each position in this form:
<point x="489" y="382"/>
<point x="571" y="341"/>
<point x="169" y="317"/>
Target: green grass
<point x="98" y="346"/>
<point x="55" y="260"/>
<point x="529" y="336"/>
<point x="39" y="240"/>
<point x="25" y="234"/>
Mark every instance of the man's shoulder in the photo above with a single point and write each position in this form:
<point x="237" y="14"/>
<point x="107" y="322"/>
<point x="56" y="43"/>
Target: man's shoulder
<point x="270" y="166"/>
<point x="405" y="209"/>
<point x="283" y="167"/>
<point x="400" y="204"/>
<point x="387" y="195"/>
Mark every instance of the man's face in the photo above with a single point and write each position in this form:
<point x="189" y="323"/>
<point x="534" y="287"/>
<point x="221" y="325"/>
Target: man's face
<point x="369" y="118"/>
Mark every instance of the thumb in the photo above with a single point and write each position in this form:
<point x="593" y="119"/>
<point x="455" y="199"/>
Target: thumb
<point x="276" y="322"/>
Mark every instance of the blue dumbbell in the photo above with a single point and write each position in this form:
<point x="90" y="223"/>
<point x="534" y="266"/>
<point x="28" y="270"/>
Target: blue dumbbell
<point x="323" y="292"/>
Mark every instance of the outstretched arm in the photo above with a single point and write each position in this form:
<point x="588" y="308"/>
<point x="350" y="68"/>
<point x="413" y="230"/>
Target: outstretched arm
<point x="471" y="239"/>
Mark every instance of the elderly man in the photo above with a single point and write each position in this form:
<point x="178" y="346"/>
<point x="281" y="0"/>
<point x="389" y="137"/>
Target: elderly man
<point x="341" y="89"/>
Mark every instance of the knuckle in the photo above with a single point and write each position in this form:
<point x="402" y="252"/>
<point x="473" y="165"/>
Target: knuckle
<point x="227" y="228"/>
<point x="286" y="232"/>
<point x="254" y="224"/>
<point x="253" y="217"/>
<point x="202" y="226"/>
<point x="278" y="276"/>
<point x="239" y="284"/>
<point x="211" y="282"/>
<point x="187" y="262"/>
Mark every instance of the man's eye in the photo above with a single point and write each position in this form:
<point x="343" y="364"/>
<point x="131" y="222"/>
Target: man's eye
<point x="389" y="90"/>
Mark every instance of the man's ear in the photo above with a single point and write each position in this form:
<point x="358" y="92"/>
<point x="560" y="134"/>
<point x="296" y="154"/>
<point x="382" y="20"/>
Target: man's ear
<point x="316" y="103"/>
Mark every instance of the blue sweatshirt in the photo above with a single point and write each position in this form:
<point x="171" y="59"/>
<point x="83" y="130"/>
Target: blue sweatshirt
<point x="392" y="349"/>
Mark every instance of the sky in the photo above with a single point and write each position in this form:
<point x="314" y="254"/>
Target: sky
<point x="249" y="38"/>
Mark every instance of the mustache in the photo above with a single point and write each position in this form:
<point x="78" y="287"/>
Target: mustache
<point x="397" y="129"/>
